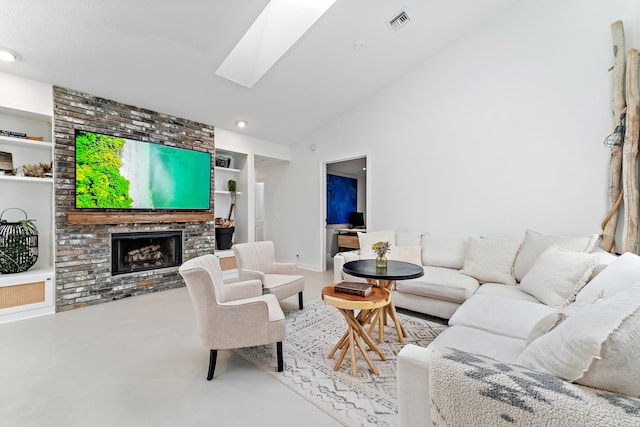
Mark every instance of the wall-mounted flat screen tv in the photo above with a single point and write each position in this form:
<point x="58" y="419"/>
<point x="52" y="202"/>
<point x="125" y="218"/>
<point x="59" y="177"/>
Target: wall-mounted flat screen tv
<point x="122" y="173"/>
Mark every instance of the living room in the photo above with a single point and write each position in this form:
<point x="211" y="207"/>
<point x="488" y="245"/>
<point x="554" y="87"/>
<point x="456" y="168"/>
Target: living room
<point x="497" y="131"/>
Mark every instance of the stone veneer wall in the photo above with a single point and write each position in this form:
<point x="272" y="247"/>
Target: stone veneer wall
<point x="83" y="252"/>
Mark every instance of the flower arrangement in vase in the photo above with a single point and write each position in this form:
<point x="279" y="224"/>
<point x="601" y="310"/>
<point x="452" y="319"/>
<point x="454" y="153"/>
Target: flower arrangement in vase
<point x="381" y="249"/>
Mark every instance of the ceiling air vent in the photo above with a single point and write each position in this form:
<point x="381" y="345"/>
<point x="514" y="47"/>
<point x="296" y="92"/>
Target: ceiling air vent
<point x="399" y="21"/>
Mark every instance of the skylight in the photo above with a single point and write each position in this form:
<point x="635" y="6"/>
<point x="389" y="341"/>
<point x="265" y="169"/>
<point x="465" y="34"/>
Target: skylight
<point x="279" y="26"/>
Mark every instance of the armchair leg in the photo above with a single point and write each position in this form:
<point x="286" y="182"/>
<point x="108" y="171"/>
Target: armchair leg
<point x="213" y="355"/>
<point x="279" y="352"/>
<point x="300" y="300"/>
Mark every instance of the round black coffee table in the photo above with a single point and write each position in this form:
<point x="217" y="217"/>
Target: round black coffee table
<point x="385" y="278"/>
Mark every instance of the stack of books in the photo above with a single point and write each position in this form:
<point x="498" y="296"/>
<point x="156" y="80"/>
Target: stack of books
<point x="353" y="288"/>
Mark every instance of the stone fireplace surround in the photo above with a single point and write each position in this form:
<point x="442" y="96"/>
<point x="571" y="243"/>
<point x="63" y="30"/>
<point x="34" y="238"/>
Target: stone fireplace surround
<point x="83" y="251"/>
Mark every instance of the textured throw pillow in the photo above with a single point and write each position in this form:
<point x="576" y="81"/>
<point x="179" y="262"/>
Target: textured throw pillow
<point x="491" y="260"/>
<point x="534" y="244"/>
<point x="557" y="276"/>
<point x="551" y="321"/>
<point x="599" y="346"/>
<point x="406" y="253"/>
<point x="622" y="274"/>
<point x="366" y="240"/>
<point x="444" y="251"/>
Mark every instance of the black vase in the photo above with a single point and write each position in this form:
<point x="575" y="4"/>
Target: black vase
<point x="224" y="237"/>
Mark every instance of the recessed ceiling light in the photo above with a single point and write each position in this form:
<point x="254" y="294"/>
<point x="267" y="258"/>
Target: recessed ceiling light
<point x="8" y="55"/>
<point x="277" y="28"/>
<point x="241" y="123"/>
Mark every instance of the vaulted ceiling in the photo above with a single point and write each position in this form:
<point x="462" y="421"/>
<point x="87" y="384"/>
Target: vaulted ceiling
<point x="162" y="55"/>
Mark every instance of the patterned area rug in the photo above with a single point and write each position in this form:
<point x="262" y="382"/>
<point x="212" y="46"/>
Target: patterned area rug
<point x="365" y="400"/>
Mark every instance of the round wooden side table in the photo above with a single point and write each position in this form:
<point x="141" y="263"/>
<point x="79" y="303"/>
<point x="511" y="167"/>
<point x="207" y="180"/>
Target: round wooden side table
<point x="385" y="278"/>
<point x="372" y="309"/>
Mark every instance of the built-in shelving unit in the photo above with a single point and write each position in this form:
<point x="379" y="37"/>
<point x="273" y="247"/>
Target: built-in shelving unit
<point x="30" y="293"/>
<point x="237" y="171"/>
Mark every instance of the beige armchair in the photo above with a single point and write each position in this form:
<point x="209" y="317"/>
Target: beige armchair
<point x="231" y="315"/>
<point x="257" y="260"/>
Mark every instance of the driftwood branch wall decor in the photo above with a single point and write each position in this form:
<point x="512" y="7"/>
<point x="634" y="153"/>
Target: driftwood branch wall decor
<point x="609" y="225"/>
<point x="630" y="155"/>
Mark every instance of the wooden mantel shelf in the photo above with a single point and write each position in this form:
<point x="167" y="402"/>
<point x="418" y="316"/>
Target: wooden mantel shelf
<point x="88" y="218"/>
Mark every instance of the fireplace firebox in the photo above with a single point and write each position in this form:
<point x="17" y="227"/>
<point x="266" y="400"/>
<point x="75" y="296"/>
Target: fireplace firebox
<point x="132" y="252"/>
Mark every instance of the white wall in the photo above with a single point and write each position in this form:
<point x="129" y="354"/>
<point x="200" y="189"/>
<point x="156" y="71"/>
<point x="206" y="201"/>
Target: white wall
<point x="500" y="132"/>
<point x="25" y="94"/>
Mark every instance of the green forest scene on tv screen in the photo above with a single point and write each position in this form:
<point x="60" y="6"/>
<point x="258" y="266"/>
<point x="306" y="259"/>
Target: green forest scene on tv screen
<point x="120" y="173"/>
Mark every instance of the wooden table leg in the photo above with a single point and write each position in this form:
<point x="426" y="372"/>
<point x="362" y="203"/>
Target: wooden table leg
<point x="351" y="339"/>
<point x="390" y="309"/>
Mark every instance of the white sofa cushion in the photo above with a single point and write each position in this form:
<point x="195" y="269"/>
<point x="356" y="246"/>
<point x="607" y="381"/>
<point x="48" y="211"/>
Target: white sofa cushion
<point x="535" y="243"/>
<point x="491" y="260"/>
<point x="444" y="251"/>
<point x="506" y="291"/>
<point x="440" y="283"/>
<point x="500" y="315"/>
<point x="599" y="346"/>
<point x="622" y="274"/>
<point x="410" y="254"/>
<point x="551" y="321"/>
<point x="558" y="275"/>
<point x="366" y="240"/>
<point x="472" y="340"/>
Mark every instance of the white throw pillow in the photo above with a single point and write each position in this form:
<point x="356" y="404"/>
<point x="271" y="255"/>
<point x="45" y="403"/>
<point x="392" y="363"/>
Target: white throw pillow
<point x="622" y="274"/>
<point x="599" y="346"/>
<point x="410" y="254"/>
<point x="551" y="321"/>
<point x="491" y="260"/>
<point x="366" y="240"/>
<point x="558" y="275"/>
<point x="444" y="251"/>
<point x="534" y="244"/>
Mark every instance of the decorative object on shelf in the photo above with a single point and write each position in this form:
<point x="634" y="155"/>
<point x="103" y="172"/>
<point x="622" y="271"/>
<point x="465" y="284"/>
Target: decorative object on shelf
<point x="6" y="162"/>
<point x="232" y="187"/>
<point x="41" y="170"/>
<point x="224" y="234"/>
<point x="223" y="222"/>
<point x="381" y="249"/>
<point x="18" y="244"/>
<point x="223" y="161"/>
<point x="12" y="134"/>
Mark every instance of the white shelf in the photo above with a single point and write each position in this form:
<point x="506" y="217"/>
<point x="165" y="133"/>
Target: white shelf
<point x="23" y="142"/>
<point x="218" y="168"/>
<point x="26" y="276"/>
<point x="29" y="179"/>
<point x="24" y="114"/>
<point x="227" y="192"/>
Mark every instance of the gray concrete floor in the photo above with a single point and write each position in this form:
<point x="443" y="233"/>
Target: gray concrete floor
<point x="138" y="362"/>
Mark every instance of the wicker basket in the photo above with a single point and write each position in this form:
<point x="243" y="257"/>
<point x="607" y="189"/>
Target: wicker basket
<point x="18" y="244"/>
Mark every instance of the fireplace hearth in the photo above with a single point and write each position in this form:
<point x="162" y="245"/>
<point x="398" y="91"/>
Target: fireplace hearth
<point x="133" y="252"/>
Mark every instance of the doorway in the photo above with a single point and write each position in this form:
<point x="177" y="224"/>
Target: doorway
<point x="341" y="177"/>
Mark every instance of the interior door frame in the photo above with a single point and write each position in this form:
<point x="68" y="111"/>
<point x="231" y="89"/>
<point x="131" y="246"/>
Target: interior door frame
<point x="323" y="201"/>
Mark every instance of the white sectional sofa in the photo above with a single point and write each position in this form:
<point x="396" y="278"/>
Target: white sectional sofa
<point x="455" y="266"/>
<point x="555" y="341"/>
<point x="509" y="361"/>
